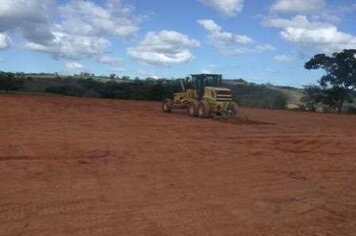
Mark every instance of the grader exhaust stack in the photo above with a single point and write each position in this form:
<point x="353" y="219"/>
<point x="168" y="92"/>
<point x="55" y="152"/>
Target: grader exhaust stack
<point x="182" y="85"/>
<point x="207" y="98"/>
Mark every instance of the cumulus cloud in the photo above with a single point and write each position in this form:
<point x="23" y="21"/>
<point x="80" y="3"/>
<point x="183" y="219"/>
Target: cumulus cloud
<point x="74" y="67"/>
<point x="298" y="5"/>
<point x="163" y="48"/>
<point x="222" y="37"/>
<point x="31" y="17"/>
<point x="229" y="43"/>
<point x="69" y="46"/>
<point x="88" y="18"/>
<point x="313" y="35"/>
<point x="82" y="29"/>
<point x="226" y="7"/>
<point x="4" y="41"/>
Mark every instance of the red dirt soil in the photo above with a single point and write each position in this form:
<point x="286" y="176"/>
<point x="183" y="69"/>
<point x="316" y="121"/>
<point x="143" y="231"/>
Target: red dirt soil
<point x="72" y="166"/>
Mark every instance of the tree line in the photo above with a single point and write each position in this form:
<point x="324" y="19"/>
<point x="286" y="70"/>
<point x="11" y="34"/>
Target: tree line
<point x="335" y="89"/>
<point x="84" y="85"/>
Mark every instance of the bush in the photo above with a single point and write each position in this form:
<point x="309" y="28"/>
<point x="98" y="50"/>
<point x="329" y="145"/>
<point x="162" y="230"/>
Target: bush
<point x="351" y="109"/>
<point x="10" y="82"/>
<point x="280" y="101"/>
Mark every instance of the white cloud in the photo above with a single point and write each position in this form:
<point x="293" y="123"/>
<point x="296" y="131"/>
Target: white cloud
<point x="65" y="45"/>
<point x="298" y="21"/>
<point x="163" y="48"/>
<point x="206" y="71"/>
<point x="229" y="43"/>
<point x="78" y="29"/>
<point x="226" y="7"/>
<point x="74" y="67"/>
<point x="222" y="37"/>
<point x="210" y="25"/>
<point x="20" y="10"/>
<point x="4" y="41"/>
<point x="210" y="69"/>
<point x="298" y="5"/>
<point x="85" y="17"/>
<point x="283" y="58"/>
<point x="30" y="17"/>
<point x="313" y="35"/>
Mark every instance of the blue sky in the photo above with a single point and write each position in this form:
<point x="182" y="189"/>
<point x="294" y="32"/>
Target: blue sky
<point x="260" y="41"/>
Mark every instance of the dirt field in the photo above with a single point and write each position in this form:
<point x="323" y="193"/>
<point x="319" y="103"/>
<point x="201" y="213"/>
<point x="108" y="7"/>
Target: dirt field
<point x="71" y="166"/>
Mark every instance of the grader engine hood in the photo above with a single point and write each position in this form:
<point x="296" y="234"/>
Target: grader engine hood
<point x="220" y="94"/>
<point x="223" y="96"/>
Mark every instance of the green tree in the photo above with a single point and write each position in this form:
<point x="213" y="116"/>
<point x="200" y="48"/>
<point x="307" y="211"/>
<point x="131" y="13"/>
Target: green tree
<point x="340" y="79"/>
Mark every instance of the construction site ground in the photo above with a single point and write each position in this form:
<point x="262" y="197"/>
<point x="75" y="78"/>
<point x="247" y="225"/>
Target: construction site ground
<point x="77" y="166"/>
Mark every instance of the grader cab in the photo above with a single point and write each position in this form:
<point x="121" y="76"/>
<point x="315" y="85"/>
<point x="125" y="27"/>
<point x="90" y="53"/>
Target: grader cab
<point x="204" y="97"/>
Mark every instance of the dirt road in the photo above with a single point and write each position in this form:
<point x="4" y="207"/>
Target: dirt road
<point x="71" y="166"/>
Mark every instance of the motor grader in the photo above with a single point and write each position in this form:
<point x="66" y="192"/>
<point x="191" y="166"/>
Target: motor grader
<point x="205" y="98"/>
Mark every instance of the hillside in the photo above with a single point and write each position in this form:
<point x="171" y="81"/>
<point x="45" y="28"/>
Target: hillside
<point x="294" y="95"/>
<point x="265" y="95"/>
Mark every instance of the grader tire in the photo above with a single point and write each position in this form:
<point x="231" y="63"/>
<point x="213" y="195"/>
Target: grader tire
<point x="204" y="110"/>
<point x="233" y="108"/>
<point x="193" y="108"/>
<point x="167" y="105"/>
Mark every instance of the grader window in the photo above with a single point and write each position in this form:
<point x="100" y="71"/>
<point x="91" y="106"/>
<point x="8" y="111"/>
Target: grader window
<point x="200" y="81"/>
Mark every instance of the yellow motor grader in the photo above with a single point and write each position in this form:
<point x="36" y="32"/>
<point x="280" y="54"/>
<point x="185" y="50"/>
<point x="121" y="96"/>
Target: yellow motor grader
<point x="204" y="99"/>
